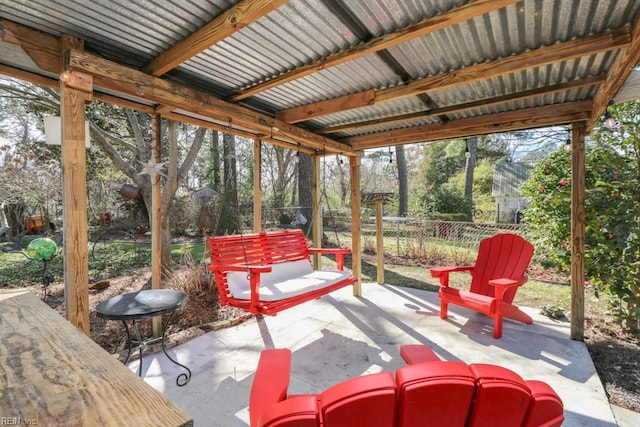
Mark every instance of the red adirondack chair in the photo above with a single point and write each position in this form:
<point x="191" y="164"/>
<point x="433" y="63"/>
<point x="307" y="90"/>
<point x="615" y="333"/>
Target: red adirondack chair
<point x="496" y="275"/>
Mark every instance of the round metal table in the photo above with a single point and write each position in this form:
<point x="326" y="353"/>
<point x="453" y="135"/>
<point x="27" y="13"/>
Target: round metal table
<point x="143" y="305"/>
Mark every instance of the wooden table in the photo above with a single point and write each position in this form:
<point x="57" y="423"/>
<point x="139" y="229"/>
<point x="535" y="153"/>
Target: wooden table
<point x="53" y="374"/>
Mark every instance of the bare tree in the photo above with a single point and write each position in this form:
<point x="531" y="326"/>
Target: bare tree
<point x="175" y="174"/>
<point x="305" y="184"/>
<point x="230" y="220"/>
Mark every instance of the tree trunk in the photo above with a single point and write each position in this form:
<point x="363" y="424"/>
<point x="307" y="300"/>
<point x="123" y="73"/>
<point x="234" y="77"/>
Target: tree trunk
<point x="633" y="306"/>
<point x="279" y="190"/>
<point x="230" y="219"/>
<point x="403" y="181"/>
<point x="305" y="185"/>
<point x="343" y="178"/>
<point x="472" y="144"/>
<point x="215" y="162"/>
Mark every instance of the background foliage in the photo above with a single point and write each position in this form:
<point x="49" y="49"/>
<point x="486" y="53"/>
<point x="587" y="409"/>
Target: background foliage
<point x="612" y="204"/>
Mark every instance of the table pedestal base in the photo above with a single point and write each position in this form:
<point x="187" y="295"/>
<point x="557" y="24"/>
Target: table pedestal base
<point x="141" y="344"/>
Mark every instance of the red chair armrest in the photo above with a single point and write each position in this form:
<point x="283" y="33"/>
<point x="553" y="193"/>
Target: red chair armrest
<point x="298" y="411"/>
<point x="443" y="272"/>
<point x="270" y="383"/>
<point x="502" y="285"/>
<point x="417" y="353"/>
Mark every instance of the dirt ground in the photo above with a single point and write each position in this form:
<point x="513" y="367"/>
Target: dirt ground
<point x="615" y="353"/>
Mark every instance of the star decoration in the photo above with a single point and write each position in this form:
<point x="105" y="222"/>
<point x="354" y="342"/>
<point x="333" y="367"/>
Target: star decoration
<point x="152" y="169"/>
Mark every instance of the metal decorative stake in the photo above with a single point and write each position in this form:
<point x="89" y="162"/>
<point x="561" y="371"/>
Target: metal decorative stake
<point x="43" y="249"/>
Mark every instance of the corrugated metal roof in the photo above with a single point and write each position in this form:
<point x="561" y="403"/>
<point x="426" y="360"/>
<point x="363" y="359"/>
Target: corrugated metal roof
<point x="301" y="32"/>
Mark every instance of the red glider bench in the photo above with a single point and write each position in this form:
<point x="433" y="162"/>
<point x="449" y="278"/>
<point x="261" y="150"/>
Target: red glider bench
<point x="265" y="273"/>
<point x="428" y="391"/>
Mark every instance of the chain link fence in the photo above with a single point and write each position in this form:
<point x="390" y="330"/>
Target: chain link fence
<point x="418" y="238"/>
<point x="415" y="238"/>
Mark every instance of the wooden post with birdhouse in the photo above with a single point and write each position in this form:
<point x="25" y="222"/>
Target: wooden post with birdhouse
<point x="378" y="199"/>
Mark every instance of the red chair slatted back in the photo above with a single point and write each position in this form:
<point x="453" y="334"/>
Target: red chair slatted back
<point x="502" y="397"/>
<point x="366" y="401"/>
<point x="434" y="393"/>
<point x="500" y="256"/>
<point x="546" y="407"/>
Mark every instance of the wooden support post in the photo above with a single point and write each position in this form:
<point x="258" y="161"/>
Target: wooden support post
<point x="577" y="230"/>
<point x="354" y="163"/>
<point x="75" y="89"/>
<point x="156" y="222"/>
<point x="379" y="242"/>
<point x="257" y="185"/>
<point x="316" y="197"/>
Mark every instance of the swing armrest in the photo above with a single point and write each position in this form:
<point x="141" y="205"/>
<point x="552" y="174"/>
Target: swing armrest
<point x="241" y="267"/>
<point x="338" y="252"/>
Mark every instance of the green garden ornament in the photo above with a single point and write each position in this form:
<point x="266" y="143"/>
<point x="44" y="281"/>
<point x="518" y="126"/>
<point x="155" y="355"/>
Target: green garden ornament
<point x="42" y="248"/>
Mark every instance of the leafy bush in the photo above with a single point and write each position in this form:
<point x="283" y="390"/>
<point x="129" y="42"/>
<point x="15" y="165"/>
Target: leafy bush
<point x="612" y="242"/>
<point x="447" y="199"/>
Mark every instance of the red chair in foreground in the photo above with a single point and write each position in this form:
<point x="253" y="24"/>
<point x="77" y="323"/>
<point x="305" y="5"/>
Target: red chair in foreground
<point x="433" y="392"/>
<point x="495" y="277"/>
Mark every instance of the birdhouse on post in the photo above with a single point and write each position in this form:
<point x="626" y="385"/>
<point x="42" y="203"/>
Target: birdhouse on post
<point x="378" y="199"/>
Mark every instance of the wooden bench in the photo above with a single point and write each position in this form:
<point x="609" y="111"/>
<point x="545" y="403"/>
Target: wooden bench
<point x="265" y="273"/>
<point x="434" y="392"/>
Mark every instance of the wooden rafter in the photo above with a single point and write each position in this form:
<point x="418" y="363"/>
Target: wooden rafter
<point x="528" y="118"/>
<point x="237" y="17"/>
<point x="36" y="79"/>
<point x="488" y="102"/>
<point x="576" y="48"/>
<point x="429" y="25"/>
<point x="265" y="138"/>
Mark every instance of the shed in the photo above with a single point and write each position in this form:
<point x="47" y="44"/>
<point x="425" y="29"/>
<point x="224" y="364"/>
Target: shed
<point x="508" y="178"/>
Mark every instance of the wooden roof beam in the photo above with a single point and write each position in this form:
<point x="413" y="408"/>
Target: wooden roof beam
<point x="489" y="102"/>
<point x="624" y="62"/>
<point x="572" y="49"/>
<point x="36" y="79"/>
<point x="266" y="138"/>
<point x="121" y="79"/>
<point x="239" y="16"/>
<point x="424" y="27"/>
<point x="529" y="118"/>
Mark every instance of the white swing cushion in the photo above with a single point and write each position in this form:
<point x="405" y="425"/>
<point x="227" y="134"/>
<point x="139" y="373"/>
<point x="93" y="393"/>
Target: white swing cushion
<point x="286" y="280"/>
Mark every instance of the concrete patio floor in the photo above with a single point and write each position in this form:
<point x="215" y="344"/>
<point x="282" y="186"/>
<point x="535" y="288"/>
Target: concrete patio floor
<point x="341" y="336"/>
